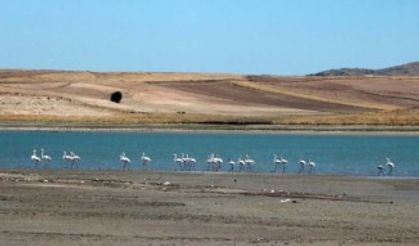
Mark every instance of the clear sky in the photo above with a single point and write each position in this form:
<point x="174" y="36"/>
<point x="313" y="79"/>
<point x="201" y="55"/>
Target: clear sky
<point x="286" y="37"/>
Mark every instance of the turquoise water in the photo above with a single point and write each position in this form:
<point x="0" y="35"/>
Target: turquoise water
<point x="334" y="154"/>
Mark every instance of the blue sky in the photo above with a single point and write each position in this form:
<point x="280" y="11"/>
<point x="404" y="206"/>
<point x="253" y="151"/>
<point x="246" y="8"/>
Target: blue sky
<point x="293" y="37"/>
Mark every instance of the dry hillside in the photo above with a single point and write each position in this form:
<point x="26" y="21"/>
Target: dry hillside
<point x="408" y="69"/>
<point x="180" y="97"/>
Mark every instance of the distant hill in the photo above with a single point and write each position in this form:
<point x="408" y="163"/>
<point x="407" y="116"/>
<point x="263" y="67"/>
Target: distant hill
<point x="409" y="69"/>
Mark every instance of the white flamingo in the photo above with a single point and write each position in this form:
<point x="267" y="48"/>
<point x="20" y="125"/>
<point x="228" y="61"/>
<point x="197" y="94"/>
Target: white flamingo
<point x="184" y="161"/>
<point x="312" y="165"/>
<point x="75" y="159"/>
<point x="35" y="159"/>
<point x="67" y="158"/>
<point x="284" y="163"/>
<point x="124" y="160"/>
<point x="232" y="163"/>
<point x="190" y="161"/>
<point x="185" y="158"/>
<point x="44" y="157"/>
<point x="302" y="164"/>
<point x="211" y="162"/>
<point x="380" y="169"/>
<point x="145" y="159"/>
<point x="218" y="163"/>
<point x="178" y="161"/>
<point x="277" y="162"/>
<point x="250" y="163"/>
<point x="242" y="164"/>
<point x="390" y="165"/>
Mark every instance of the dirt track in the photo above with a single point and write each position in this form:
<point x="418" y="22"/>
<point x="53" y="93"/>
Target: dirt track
<point x="120" y="208"/>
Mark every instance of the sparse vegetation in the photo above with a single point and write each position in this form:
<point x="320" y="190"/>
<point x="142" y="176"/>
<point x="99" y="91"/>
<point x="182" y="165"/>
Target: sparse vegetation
<point x="402" y="117"/>
<point x="205" y="100"/>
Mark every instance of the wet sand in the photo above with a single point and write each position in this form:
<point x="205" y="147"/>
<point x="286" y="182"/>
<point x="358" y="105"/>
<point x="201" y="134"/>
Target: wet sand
<point x="66" y="207"/>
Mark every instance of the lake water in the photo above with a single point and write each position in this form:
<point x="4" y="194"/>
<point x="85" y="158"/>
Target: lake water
<point x="333" y="154"/>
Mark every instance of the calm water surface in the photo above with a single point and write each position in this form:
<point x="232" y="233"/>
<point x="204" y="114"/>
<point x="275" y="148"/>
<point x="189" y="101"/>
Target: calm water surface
<point x="337" y="154"/>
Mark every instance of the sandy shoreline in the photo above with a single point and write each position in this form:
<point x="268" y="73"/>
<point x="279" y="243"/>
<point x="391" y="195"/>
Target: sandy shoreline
<point x="332" y="130"/>
<point x="70" y="207"/>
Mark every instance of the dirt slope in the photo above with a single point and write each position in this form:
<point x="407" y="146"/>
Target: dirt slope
<point x="84" y="94"/>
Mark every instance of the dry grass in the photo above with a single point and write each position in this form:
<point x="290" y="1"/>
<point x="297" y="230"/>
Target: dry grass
<point x="401" y="117"/>
<point x="382" y="118"/>
<point x="140" y="119"/>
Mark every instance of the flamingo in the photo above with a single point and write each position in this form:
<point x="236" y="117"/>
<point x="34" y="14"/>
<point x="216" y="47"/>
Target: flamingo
<point x="193" y="162"/>
<point x="277" y="162"/>
<point x="75" y="159"/>
<point x="311" y="164"/>
<point x="211" y="162"/>
<point x="390" y="165"/>
<point x="35" y="159"/>
<point x="232" y="164"/>
<point x="249" y="162"/>
<point x="218" y="162"/>
<point x="46" y="158"/>
<point x="242" y="164"/>
<point x="124" y="160"/>
<point x="178" y="161"/>
<point x="284" y="163"/>
<point x="67" y="158"/>
<point x="145" y="159"/>
<point x="185" y="158"/>
<point x="184" y="161"/>
<point x="380" y="170"/>
<point x="302" y="165"/>
<point x="190" y="161"/>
